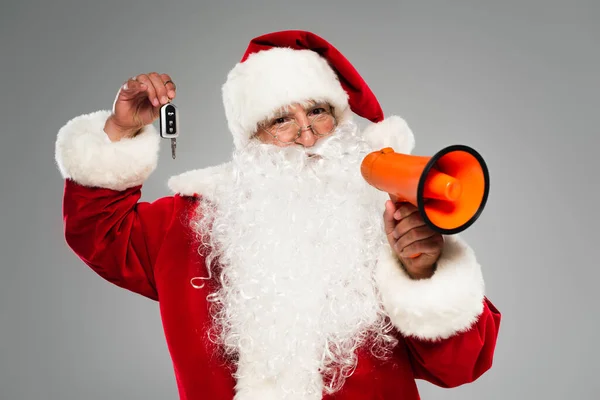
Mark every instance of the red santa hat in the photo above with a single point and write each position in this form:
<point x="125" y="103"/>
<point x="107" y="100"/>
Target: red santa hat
<point x="287" y="67"/>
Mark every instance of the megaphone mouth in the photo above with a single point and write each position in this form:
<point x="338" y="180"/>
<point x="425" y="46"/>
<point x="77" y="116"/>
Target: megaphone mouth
<point x="467" y="166"/>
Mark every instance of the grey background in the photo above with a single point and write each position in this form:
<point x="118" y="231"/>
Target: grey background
<point x="517" y="80"/>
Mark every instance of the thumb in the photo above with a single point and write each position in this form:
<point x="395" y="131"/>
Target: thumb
<point x="389" y="222"/>
<point x="131" y="88"/>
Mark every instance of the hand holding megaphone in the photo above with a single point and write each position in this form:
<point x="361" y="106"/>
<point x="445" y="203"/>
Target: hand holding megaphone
<point x="449" y="190"/>
<point x="416" y="245"/>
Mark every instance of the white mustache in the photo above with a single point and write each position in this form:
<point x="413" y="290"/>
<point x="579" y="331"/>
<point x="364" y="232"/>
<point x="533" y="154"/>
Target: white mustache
<point x="320" y="148"/>
<point x="327" y="145"/>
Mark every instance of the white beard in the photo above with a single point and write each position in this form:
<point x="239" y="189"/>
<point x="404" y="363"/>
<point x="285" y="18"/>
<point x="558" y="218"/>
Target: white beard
<point x="294" y="243"/>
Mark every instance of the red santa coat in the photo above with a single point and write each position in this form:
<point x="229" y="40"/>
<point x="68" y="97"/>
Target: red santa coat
<point x="447" y="328"/>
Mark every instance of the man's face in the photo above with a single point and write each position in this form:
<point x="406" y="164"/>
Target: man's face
<point x="314" y="121"/>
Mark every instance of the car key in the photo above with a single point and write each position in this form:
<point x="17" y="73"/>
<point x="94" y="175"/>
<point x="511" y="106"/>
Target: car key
<point x="169" y="125"/>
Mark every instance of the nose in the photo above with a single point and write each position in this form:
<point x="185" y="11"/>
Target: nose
<point x="307" y="137"/>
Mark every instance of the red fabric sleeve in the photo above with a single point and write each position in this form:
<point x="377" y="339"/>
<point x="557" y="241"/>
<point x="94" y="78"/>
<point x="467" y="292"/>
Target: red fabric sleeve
<point x="115" y="234"/>
<point x="461" y="358"/>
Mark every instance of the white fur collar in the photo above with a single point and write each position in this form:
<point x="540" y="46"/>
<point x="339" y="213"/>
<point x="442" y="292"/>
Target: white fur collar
<point x="392" y="132"/>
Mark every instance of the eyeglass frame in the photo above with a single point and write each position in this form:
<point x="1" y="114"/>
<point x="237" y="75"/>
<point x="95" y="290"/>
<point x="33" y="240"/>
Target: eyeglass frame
<point x="302" y="128"/>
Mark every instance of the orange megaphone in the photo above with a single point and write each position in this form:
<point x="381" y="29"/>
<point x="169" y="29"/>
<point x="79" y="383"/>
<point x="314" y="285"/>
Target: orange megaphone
<point x="450" y="189"/>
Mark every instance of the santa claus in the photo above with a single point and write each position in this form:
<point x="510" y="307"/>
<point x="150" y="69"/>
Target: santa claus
<point x="280" y="274"/>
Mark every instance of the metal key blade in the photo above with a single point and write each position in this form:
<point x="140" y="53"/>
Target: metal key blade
<point x="173" y="147"/>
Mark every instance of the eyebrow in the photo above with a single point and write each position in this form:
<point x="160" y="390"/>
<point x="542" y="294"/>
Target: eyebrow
<point x="310" y="104"/>
<point x="283" y="112"/>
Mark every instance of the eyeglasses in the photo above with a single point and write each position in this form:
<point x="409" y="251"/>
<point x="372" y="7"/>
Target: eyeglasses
<point x="289" y="131"/>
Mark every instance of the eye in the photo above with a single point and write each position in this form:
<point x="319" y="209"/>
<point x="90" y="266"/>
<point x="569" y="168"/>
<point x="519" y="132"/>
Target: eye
<point x="276" y="122"/>
<point x="317" y="111"/>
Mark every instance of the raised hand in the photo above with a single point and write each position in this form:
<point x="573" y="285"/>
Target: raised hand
<point x="138" y="104"/>
<point x="416" y="245"/>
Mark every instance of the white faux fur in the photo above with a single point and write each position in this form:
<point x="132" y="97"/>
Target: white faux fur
<point x="85" y="154"/>
<point x="391" y="132"/>
<point x="271" y="79"/>
<point x="203" y="181"/>
<point x="436" y="308"/>
<point x="250" y="386"/>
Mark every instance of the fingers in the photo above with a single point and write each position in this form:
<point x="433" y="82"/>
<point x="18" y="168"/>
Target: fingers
<point x="169" y="85"/>
<point x="132" y="88"/>
<point x="429" y="245"/>
<point x="405" y="226"/>
<point x="414" y="235"/>
<point x="404" y="210"/>
<point x="413" y="220"/>
<point x="399" y="218"/>
<point x="159" y="86"/>
<point x="150" y="89"/>
<point x="133" y="85"/>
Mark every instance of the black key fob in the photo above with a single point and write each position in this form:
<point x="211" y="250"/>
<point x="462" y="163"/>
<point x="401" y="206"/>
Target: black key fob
<point x="169" y="121"/>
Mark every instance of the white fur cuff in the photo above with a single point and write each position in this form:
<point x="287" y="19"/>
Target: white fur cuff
<point x="85" y="154"/>
<point x="436" y="308"/>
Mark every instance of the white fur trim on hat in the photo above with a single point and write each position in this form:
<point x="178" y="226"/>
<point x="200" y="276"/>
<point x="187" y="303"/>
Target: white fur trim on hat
<point x="85" y="154"/>
<point x="270" y="79"/>
<point x="438" y="307"/>
<point x="392" y="132"/>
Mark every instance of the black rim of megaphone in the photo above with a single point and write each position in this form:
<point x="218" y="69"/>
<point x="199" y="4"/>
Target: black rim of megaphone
<point x="421" y="187"/>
